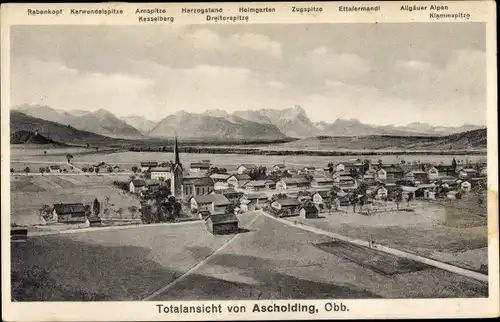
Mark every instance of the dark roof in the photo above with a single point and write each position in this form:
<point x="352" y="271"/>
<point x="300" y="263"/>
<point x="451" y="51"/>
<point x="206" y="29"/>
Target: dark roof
<point x="310" y="209"/>
<point x="217" y="199"/>
<point x="322" y="193"/>
<point x="248" y="165"/>
<point x="69" y="208"/>
<point x="252" y="196"/>
<point x="444" y="167"/>
<point x="55" y="167"/>
<point x="289" y="202"/>
<point x="292" y="181"/>
<point x="201" y="165"/>
<point x="226" y="191"/>
<point x="223" y="176"/>
<point x="469" y="170"/>
<point x="149" y="164"/>
<point x="323" y="179"/>
<point x="223" y="218"/>
<point x="393" y="169"/>
<point x="241" y="176"/>
<point x="200" y="181"/>
<point x="138" y="183"/>
<point x="161" y="169"/>
<point x="258" y="183"/>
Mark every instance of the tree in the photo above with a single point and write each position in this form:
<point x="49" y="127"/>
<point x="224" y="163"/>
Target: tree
<point x="12" y="170"/>
<point x="42" y="170"/>
<point x="397" y="195"/>
<point x="110" y="169"/>
<point x="69" y="157"/>
<point x="96" y="170"/>
<point x="45" y="212"/>
<point x="119" y="211"/>
<point x="134" y="169"/>
<point x="133" y="210"/>
<point x="45" y="152"/>
<point x="454" y="163"/>
<point x="96" y="207"/>
<point x="88" y="211"/>
<point x="27" y="170"/>
<point x="97" y="148"/>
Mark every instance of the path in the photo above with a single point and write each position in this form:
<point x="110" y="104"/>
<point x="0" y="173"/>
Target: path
<point x="393" y="251"/>
<point x="197" y="266"/>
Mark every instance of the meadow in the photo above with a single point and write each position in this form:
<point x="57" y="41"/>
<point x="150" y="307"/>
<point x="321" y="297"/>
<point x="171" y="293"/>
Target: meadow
<point x="431" y="230"/>
<point x="127" y="159"/>
<point x="29" y="193"/>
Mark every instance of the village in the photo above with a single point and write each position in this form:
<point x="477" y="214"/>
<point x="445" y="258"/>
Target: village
<point x="171" y="192"/>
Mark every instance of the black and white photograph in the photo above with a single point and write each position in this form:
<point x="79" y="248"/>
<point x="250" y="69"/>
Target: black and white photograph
<point x="211" y="162"/>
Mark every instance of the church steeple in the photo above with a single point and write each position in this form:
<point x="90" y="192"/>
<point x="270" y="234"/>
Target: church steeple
<point x="176" y="153"/>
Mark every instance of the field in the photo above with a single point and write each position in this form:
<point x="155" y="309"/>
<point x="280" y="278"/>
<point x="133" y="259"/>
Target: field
<point x="127" y="159"/>
<point x="269" y="261"/>
<point x="29" y="193"/>
<point x="457" y="237"/>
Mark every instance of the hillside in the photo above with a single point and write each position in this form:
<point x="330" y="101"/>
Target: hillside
<point x="29" y="137"/>
<point x="190" y="125"/>
<point x="470" y="140"/>
<point x="21" y="123"/>
<point x="100" y="122"/>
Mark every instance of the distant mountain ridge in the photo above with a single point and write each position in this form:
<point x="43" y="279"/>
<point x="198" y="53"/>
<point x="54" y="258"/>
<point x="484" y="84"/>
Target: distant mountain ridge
<point x="266" y="124"/>
<point x="101" y="121"/>
<point x="190" y="125"/>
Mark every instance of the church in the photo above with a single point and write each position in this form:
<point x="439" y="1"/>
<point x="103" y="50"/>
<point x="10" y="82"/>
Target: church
<point x="185" y="187"/>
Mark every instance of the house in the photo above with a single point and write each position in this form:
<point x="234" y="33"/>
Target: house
<point x="259" y="185"/>
<point x="370" y="175"/>
<point x="230" y="193"/>
<point x="319" y="197"/>
<point x="291" y="184"/>
<point x="467" y="173"/>
<point x="286" y="207"/>
<point x="346" y="182"/>
<point x="417" y="176"/>
<point x="136" y="185"/>
<point x="380" y="193"/>
<point x="445" y="170"/>
<point x="103" y="167"/>
<point x="218" y="177"/>
<point x="214" y="203"/>
<point x="309" y="212"/>
<point x="322" y="182"/>
<point x="222" y="224"/>
<point x="339" y="167"/>
<point x="355" y="165"/>
<point x="199" y="167"/>
<point x="253" y="201"/>
<point x="465" y="186"/>
<point x="55" y="169"/>
<point x="196" y="186"/>
<point x="147" y="165"/>
<point x="238" y="180"/>
<point x="69" y="212"/>
<point x="483" y="171"/>
<point x="246" y="167"/>
<point x="381" y="174"/>
<point x="307" y="170"/>
<point x="161" y="172"/>
<point x="279" y="167"/>
<point x="392" y="172"/>
<point x="432" y="173"/>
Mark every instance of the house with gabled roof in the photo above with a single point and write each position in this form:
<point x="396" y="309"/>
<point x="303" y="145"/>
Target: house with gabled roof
<point x="222" y="223"/>
<point x="69" y="212"/>
<point x="238" y="180"/>
<point x="246" y="167"/>
<point x="292" y="184"/>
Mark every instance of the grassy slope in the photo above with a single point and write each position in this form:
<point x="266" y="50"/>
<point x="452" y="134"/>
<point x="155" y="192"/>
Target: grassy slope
<point x="475" y="139"/>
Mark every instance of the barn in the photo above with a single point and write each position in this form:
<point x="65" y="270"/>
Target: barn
<point x="222" y="223"/>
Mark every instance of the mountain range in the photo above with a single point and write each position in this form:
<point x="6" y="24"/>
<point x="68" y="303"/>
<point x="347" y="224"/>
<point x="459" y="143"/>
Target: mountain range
<point x="263" y="124"/>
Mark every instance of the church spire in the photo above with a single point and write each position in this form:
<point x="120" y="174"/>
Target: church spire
<point x="176" y="153"/>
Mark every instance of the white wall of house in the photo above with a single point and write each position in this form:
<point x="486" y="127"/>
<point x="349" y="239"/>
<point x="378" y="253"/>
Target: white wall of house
<point x="241" y="169"/>
<point x="382" y="174"/>
<point x="156" y="175"/>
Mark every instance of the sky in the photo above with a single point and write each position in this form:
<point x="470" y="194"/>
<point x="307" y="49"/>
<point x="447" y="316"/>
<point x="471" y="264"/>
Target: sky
<point x="381" y="74"/>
